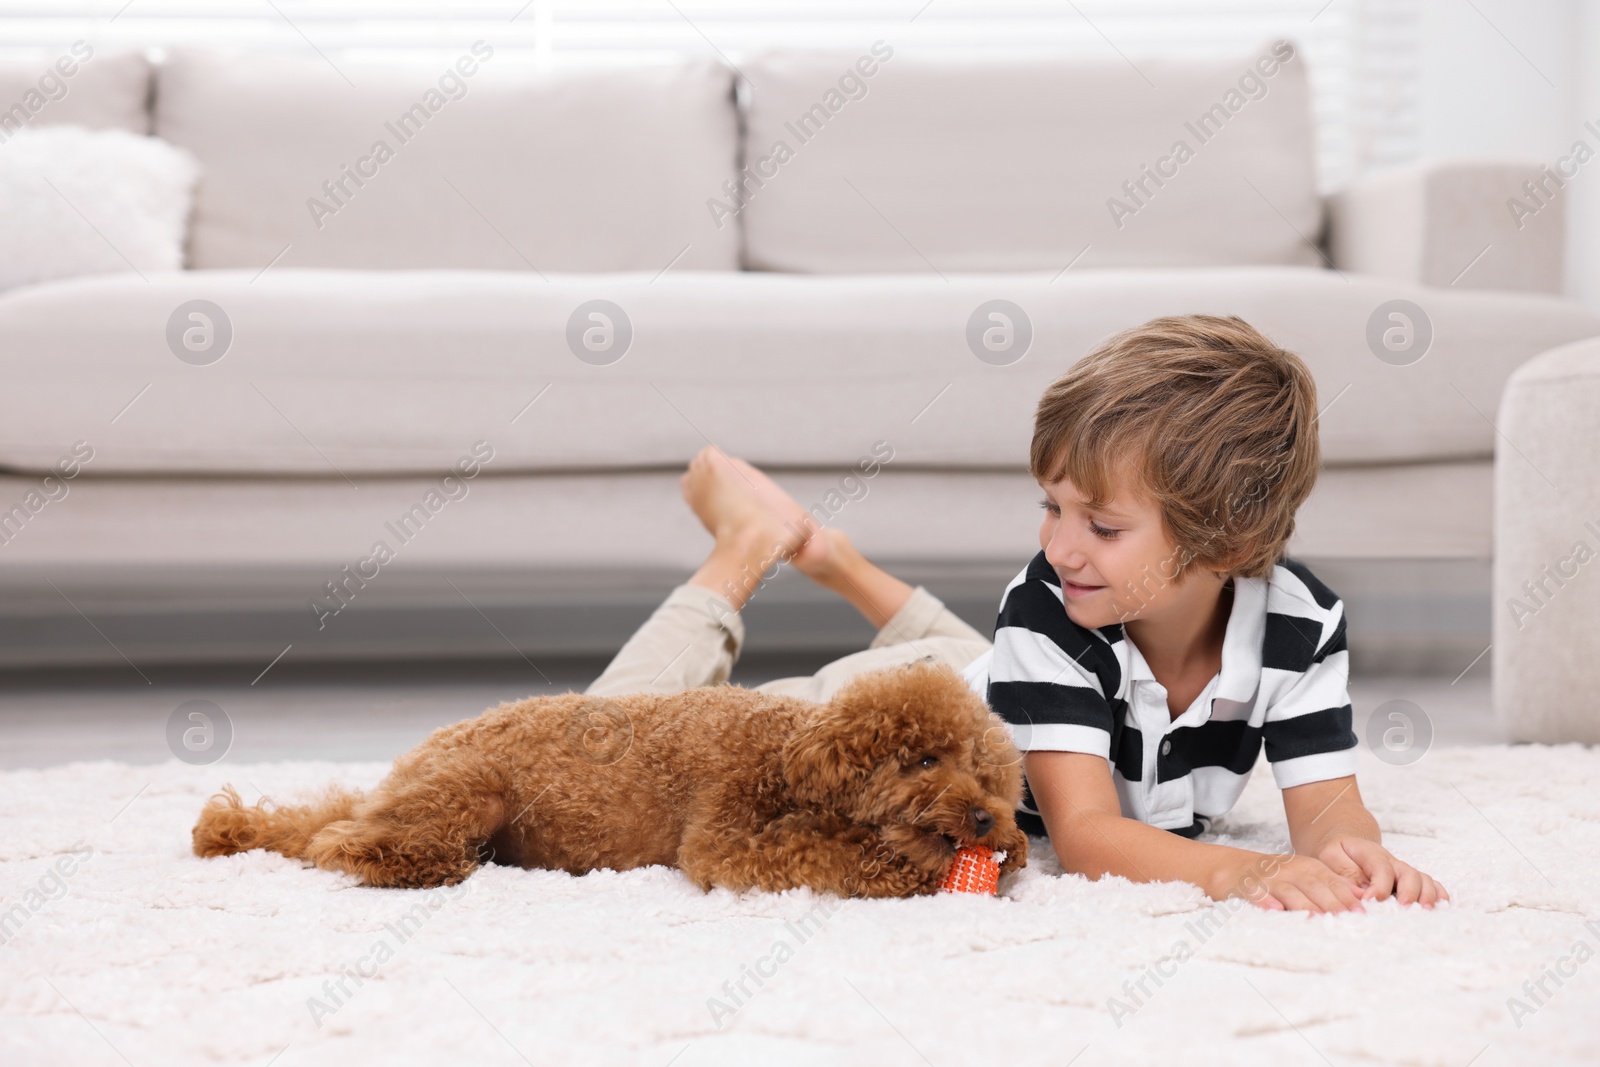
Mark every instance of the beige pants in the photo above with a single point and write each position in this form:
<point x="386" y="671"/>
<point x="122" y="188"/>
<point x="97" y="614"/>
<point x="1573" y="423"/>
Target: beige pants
<point x="694" y="638"/>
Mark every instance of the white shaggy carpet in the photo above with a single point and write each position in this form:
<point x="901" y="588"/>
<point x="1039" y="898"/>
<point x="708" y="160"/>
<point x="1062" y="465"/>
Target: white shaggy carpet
<point x="146" y="955"/>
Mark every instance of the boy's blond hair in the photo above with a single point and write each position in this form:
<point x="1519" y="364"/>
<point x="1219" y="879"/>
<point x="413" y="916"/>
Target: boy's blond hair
<point x="1214" y="422"/>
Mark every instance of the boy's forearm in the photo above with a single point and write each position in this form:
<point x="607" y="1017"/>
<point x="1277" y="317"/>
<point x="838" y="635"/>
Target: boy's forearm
<point x="1345" y="818"/>
<point x="1324" y="811"/>
<point x="1099" y="844"/>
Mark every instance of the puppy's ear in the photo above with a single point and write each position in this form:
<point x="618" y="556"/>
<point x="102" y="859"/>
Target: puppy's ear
<point x="998" y="762"/>
<point x="829" y="756"/>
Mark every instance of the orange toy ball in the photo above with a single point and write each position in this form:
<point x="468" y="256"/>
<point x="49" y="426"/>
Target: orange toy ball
<point x="975" y="870"/>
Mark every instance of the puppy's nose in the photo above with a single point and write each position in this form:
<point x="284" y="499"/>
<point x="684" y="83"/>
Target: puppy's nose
<point x="982" y="822"/>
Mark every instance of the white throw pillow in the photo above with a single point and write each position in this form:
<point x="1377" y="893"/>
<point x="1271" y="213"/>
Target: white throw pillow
<point x="76" y="201"/>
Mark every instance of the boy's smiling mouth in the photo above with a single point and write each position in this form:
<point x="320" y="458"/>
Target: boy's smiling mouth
<point x="1075" y="589"/>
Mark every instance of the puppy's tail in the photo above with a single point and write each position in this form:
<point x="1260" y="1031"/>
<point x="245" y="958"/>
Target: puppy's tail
<point x="227" y="826"/>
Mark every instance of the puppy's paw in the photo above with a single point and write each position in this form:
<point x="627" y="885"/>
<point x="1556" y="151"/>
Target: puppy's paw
<point x="1014" y="843"/>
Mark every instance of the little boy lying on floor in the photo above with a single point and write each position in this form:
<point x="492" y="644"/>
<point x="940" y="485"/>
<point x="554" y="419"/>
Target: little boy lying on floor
<point x="1158" y="639"/>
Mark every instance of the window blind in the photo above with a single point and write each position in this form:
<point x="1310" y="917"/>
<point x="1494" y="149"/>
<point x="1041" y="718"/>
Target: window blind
<point x="1362" y="55"/>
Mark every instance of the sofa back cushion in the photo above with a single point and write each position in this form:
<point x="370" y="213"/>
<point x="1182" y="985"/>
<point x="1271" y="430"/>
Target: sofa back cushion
<point x="76" y="84"/>
<point x="481" y="162"/>
<point x="887" y="163"/>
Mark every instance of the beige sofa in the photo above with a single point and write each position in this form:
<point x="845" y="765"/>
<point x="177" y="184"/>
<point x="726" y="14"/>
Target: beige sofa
<point x="369" y="322"/>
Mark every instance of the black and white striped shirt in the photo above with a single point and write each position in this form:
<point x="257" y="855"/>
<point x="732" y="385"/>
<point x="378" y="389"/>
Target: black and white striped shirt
<point x="1284" y="683"/>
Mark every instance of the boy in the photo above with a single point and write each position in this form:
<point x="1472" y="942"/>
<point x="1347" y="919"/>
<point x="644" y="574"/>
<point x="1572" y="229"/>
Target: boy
<point x="1161" y="635"/>
<point x="1145" y="654"/>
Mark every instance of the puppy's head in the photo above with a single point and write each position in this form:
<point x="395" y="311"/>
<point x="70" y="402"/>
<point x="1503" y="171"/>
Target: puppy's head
<point x="915" y="754"/>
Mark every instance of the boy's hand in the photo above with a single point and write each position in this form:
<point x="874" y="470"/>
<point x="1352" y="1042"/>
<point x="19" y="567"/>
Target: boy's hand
<point x="1375" y="873"/>
<point x="1288" y="883"/>
<point x="1328" y="821"/>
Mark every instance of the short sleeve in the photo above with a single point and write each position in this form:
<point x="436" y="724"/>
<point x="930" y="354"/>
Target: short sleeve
<point x="1307" y="730"/>
<point x="1039" y="682"/>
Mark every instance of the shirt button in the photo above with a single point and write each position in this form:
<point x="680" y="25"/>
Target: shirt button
<point x="1166" y="747"/>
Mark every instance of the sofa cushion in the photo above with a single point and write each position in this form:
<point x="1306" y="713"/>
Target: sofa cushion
<point x="332" y="373"/>
<point x="507" y="167"/>
<point x="1018" y="164"/>
<point x="77" y="84"/>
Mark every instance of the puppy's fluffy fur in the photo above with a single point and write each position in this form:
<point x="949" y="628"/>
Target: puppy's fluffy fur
<point x="868" y="795"/>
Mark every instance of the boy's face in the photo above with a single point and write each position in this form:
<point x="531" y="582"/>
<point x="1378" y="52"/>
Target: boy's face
<point x="1115" y="563"/>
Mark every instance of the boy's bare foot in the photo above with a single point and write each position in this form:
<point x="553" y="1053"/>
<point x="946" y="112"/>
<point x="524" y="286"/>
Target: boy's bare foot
<point x="724" y="499"/>
<point x="757" y="524"/>
<point x="824" y="556"/>
<point x="828" y="556"/>
<point x="750" y="537"/>
<point x="811" y="557"/>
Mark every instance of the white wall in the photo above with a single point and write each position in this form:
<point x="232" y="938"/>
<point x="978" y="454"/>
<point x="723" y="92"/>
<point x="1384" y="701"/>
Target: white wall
<point x="1517" y="79"/>
<point x="1583" y="209"/>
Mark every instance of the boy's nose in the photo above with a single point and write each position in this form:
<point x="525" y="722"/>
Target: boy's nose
<point x="1062" y="554"/>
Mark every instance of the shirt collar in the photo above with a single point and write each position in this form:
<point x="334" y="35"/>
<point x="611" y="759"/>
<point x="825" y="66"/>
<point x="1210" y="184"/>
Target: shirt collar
<point x="1241" y="645"/>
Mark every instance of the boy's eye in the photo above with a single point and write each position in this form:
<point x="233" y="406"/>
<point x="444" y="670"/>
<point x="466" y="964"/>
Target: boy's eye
<point x="1105" y="533"/>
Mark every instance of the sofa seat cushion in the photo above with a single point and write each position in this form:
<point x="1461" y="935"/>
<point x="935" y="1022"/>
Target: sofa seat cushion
<point x="483" y="162"/>
<point x="331" y="373"/>
<point x="893" y="161"/>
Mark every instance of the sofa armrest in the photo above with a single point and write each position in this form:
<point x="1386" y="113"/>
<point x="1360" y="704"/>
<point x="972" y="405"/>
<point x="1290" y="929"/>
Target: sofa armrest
<point x="1545" y="666"/>
<point x="1473" y="224"/>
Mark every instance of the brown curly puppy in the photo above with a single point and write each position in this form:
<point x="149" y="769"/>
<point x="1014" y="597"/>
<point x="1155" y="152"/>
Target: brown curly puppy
<point x="868" y="795"/>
